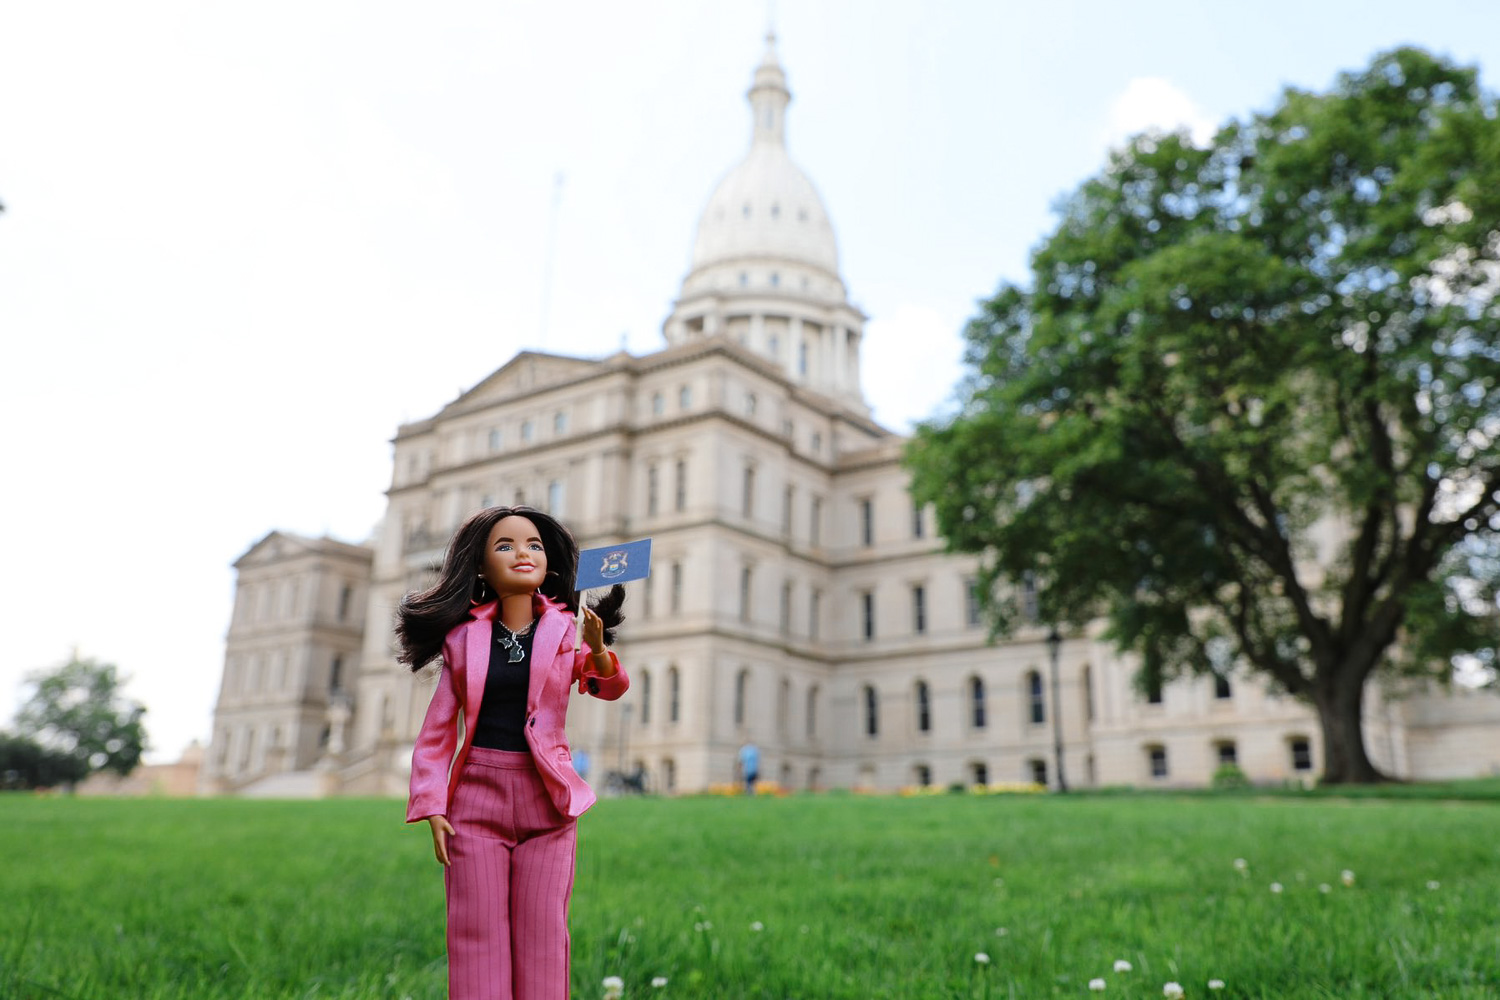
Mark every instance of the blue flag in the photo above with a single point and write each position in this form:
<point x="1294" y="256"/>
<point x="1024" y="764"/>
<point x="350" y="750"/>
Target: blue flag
<point x="612" y="564"/>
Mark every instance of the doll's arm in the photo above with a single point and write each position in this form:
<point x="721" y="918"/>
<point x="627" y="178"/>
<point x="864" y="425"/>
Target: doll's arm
<point x="433" y="753"/>
<point x="588" y="671"/>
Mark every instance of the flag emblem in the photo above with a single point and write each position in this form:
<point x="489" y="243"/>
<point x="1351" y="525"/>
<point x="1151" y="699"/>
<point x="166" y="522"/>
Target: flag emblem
<point x="615" y="563"/>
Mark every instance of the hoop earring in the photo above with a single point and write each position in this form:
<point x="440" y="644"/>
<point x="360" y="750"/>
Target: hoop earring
<point x="483" y="588"/>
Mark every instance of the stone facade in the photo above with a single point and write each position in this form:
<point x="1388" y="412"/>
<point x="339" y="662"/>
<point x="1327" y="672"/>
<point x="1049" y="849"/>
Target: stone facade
<point x="798" y="598"/>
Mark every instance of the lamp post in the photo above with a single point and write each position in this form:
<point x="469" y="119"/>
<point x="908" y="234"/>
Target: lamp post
<point x="1054" y="644"/>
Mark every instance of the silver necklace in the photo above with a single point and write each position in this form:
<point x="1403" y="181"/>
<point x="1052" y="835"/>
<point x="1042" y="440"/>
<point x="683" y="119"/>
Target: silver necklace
<point x="510" y="641"/>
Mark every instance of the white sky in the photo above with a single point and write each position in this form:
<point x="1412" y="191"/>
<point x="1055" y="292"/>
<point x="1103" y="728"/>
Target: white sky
<point x="243" y="242"/>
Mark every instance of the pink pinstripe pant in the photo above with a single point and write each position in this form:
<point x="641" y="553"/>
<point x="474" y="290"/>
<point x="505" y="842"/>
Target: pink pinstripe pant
<point x="509" y="881"/>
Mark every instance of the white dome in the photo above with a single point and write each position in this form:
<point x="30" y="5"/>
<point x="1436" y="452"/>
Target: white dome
<point x="766" y="208"/>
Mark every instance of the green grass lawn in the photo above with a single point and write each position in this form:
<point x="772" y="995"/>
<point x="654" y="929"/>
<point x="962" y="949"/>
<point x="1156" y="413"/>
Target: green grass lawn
<point x="804" y="897"/>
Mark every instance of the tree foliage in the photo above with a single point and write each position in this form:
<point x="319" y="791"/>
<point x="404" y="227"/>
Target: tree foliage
<point x="26" y="764"/>
<point x="77" y="711"/>
<point x="1248" y="409"/>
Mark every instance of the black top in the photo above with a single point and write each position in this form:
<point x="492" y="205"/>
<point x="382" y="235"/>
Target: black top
<point x="502" y="712"/>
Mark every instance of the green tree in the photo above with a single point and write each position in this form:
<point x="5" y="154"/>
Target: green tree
<point x="1247" y="411"/>
<point x="78" y="711"/>
<point x="25" y="763"/>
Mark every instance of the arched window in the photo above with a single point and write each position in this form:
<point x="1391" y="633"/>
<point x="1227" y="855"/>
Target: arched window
<point x="924" y="708"/>
<point x="741" y="682"/>
<point x="976" y="702"/>
<point x="812" y="711"/>
<point x="645" y="697"/>
<point x="1222" y="689"/>
<point x="872" y="712"/>
<point x="1034" y="699"/>
<point x="674" y="685"/>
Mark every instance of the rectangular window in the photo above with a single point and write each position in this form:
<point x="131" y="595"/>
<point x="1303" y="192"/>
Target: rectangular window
<point x="919" y="609"/>
<point x="646" y="597"/>
<point x="1153" y="691"/>
<point x="786" y="608"/>
<point x="1227" y="754"/>
<point x="745" y="578"/>
<point x="747" y="498"/>
<point x="494" y="440"/>
<point x="815" y="524"/>
<point x="867" y="522"/>
<point x="867" y="615"/>
<point x="560" y="422"/>
<point x="651" y="491"/>
<point x="1222" y="689"/>
<point x="787" y="500"/>
<point x="556" y="499"/>
<point x="1301" y="754"/>
<point x="681" y="486"/>
<point x="971" y="602"/>
<point x="676" y="587"/>
<point x="1039" y="772"/>
<point x="685" y="397"/>
<point x="346" y="594"/>
<point x="814" y="612"/>
<point x="528" y="430"/>
<point x="1158" y="758"/>
<point x="918" y="528"/>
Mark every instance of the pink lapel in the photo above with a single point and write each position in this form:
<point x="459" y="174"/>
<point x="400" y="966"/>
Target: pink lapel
<point x="552" y="624"/>
<point x="477" y="652"/>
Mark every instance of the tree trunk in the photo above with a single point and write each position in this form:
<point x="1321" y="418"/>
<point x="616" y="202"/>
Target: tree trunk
<point x="1340" y="704"/>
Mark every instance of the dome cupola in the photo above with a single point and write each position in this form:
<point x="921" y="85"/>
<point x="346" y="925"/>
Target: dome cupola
<point x="765" y="267"/>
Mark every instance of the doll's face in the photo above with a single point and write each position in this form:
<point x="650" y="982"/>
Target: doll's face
<point x="515" y="561"/>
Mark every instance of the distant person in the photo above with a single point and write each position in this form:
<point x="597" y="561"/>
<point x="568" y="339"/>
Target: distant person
<point x="750" y="766"/>
<point x="504" y="816"/>
<point x="581" y="763"/>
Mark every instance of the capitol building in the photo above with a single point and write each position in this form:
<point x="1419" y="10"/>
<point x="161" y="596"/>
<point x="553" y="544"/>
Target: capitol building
<point x="799" y="600"/>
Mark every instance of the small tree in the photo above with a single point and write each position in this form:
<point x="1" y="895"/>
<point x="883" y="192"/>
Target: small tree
<point x="77" y="711"/>
<point x="1248" y="410"/>
<point x="26" y="764"/>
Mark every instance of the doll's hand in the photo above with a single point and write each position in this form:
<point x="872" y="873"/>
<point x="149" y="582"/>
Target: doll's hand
<point x="593" y="630"/>
<point x="441" y="831"/>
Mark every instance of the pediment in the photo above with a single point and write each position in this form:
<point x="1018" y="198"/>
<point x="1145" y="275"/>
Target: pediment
<point x="278" y="546"/>
<point x="526" y="373"/>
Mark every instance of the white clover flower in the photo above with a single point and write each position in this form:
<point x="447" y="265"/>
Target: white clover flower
<point x="614" y="983"/>
<point x="1001" y="932"/>
<point x="981" y="958"/>
<point x="1324" y="888"/>
<point x="1172" y="990"/>
<point x="1097" y="985"/>
<point x="1276" y="887"/>
<point x="1433" y="885"/>
<point x="1241" y="864"/>
<point x="757" y="926"/>
<point x="1216" y="984"/>
<point x="1122" y="966"/>
<point x="658" y="981"/>
<point x="1347" y="877"/>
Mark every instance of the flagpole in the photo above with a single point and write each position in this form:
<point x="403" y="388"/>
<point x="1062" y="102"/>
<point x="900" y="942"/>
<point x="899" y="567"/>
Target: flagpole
<point x="578" y="625"/>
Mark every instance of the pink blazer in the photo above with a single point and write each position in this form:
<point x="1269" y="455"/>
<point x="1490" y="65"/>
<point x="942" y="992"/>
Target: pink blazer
<point x="555" y="668"/>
